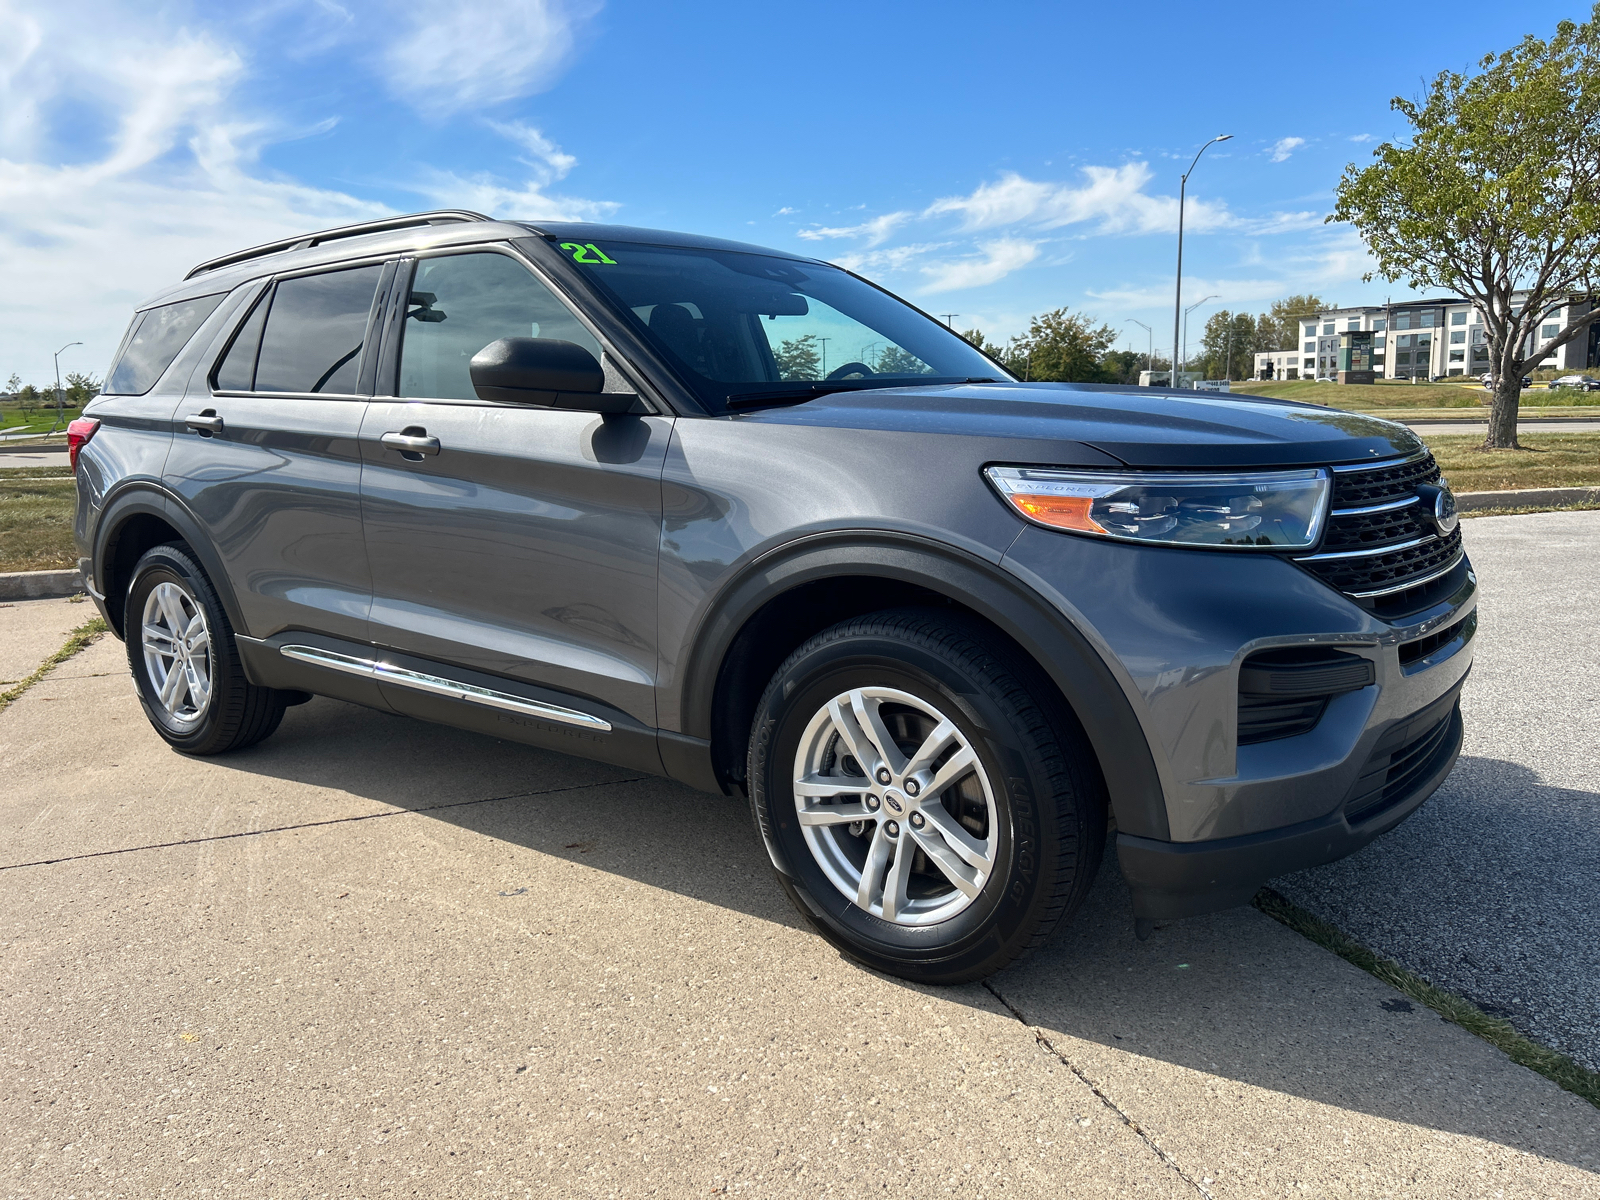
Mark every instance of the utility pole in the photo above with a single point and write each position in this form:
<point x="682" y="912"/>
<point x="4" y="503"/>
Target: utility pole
<point x="1227" y="360"/>
<point x="948" y="318"/>
<point x="58" y="354"/>
<point x="1186" y="313"/>
<point x="1177" y="300"/>
<point x="823" y="342"/>
<point x="1150" y="355"/>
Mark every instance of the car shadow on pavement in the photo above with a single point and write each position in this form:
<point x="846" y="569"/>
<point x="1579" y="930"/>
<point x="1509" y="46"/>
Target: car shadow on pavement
<point x="1233" y="996"/>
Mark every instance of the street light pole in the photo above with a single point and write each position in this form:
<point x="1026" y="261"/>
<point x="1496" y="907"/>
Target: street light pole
<point x="58" y="354"/>
<point x="1177" y="301"/>
<point x="1150" y="356"/>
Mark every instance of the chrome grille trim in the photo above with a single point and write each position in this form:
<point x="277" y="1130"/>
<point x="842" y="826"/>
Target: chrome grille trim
<point x="435" y="685"/>
<point x="1381" y="463"/>
<point x="1389" y="506"/>
<point x="1411" y="583"/>
<point x="1370" y="551"/>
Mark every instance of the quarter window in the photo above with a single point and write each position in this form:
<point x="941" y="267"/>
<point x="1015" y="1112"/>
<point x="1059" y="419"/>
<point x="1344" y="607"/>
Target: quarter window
<point x="315" y="331"/>
<point x="461" y="303"/>
<point x="153" y="341"/>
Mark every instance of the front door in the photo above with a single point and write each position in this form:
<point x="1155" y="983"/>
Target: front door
<point x="266" y="453"/>
<point x="520" y="542"/>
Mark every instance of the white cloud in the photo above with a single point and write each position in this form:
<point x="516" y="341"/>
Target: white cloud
<point x="170" y="177"/>
<point x="446" y="58"/>
<point x="876" y="231"/>
<point x="1113" y="196"/>
<point x="1363" y="137"/>
<point x="1283" y="147"/>
<point x="895" y="258"/>
<point x="785" y="211"/>
<point x="999" y="259"/>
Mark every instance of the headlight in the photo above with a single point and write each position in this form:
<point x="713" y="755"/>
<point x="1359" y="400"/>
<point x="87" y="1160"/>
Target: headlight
<point x="1278" y="510"/>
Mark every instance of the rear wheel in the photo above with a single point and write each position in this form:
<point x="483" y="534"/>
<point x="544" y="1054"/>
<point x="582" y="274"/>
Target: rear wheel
<point x="185" y="663"/>
<point x="930" y="805"/>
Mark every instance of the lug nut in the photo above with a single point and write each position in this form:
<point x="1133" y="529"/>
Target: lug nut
<point x="883" y="775"/>
<point x="892" y="829"/>
<point x="912" y="787"/>
<point x="918" y="820"/>
<point x="872" y="803"/>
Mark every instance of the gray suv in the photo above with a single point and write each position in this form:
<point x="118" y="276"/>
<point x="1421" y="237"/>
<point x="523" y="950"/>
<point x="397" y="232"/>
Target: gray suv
<point x="748" y="521"/>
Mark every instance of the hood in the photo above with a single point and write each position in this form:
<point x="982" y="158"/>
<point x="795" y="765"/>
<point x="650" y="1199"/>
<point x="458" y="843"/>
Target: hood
<point x="1141" y="427"/>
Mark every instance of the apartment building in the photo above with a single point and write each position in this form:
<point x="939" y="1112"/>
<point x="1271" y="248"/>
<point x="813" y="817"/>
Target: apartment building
<point x="1422" y="339"/>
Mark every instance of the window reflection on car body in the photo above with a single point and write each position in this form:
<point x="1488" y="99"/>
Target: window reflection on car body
<point x="799" y="395"/>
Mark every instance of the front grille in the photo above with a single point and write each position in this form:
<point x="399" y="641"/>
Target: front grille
<point x="1283" y="693"/>
<point x="1381" y="539"/>
<point x="1416" y="651"/>
<point x="1405" y="758"/>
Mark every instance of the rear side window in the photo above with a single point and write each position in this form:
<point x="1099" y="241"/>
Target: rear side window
<point x="314" y="334"/>
<point x="153" y="341"/>
<point x="237" y="371"/>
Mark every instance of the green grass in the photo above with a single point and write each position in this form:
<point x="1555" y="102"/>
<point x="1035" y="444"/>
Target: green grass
<point x="80" y="637"/>
<point x="13" y="419"/>
<point x="36" y="512"/>
<point x="1388" y="394"/>
<point x="1554" y="1066"/>
<point x="1546" y="460"/>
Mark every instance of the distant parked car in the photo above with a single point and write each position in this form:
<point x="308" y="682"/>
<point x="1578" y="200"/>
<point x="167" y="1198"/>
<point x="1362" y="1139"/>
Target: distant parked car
<point x="1489" y="381"/>
<point x="1584" y="383"/>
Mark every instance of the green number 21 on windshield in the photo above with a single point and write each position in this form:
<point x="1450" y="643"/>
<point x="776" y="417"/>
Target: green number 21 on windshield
<point x="581" y="254"/>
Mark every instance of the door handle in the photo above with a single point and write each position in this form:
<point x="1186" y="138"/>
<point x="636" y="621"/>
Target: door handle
<point x="412" y="442"/>
<point x="205" y="423"/>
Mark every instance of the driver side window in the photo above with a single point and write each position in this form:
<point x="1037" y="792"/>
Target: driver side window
<point x="823" y="342"/>
<point x="461" y="303"/>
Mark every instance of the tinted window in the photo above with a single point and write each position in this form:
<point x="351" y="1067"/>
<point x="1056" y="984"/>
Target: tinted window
<point x="238" y="368"/>
<point x="459" y="304"/>
<point x="153" y="341"/>
<point x="315" y="331"/>
<point x="736" y="322"/>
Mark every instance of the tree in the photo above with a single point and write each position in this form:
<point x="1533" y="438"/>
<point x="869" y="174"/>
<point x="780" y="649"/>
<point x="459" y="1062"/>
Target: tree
<point x="993" y="349"/>
<point x="81" y="388"/>
<point x="13" y="385"/>
<point x="892" y="360"/>
<point x="1122" y="366"/>
<point x="1282" y="327"/>
<point x="799" y="358"/>
<point x="1062" y="346"/>
<point x="29" y="397"/>
<point x="1231" y="342"/>
<point x="1497" y="191"/>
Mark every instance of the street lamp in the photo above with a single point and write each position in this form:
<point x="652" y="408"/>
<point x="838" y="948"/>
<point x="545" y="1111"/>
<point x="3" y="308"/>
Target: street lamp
<point x="1186" y="313"/>
<point x="1177" y="302"/>
<point x="1150" y="356"/>
<point x="58" y="354"/>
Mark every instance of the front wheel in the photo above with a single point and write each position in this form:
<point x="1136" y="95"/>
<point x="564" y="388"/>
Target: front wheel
<point x="930" y="804"/>
<point x="185" y="664"/>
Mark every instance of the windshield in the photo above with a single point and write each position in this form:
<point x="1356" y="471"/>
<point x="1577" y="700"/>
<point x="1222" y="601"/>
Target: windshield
<point x="740" y="325"/>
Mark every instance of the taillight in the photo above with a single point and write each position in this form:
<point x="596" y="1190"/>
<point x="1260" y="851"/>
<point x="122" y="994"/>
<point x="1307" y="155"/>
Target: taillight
<point x="78" y="434"/>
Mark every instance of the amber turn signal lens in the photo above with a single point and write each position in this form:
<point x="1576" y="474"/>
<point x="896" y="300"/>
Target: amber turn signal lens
<point x="1064" y="512"/>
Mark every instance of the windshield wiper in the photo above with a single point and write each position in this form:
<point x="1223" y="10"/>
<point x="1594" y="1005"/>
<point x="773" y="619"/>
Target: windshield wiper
<point x="799" y="395"/>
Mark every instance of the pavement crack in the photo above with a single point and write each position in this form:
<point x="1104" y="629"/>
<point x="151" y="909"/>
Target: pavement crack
<point x="1139" y="1131"/>
<point x="393" y="812"/>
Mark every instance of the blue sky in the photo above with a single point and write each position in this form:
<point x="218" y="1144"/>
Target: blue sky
<point x="990" y="161"/>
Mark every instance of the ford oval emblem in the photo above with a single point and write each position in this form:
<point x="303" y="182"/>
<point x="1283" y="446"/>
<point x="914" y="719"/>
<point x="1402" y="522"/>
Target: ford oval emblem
<point x="1442" y="501"/>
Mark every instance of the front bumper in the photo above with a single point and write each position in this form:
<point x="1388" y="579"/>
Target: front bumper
<point x="1182" y="879"/>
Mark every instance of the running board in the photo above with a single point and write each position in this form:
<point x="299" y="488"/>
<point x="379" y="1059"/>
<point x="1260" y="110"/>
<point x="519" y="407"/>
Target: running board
<point x="388" y="673"/>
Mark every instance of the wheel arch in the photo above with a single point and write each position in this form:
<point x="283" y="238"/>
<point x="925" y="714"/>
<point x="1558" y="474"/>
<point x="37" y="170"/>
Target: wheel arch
<point x="133" y="520"/>
<point x="787" y="595"/>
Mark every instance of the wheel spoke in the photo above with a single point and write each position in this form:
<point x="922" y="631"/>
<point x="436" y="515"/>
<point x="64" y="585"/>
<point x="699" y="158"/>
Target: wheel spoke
<point x="932" y="746"/>
<point x="872" y="869"/>
<point x="861" y="748"/>
<point x="201" y="643"/>
<point x="962" y="761"/>
<point x="866" y="713"/>
<point x="170" y="687"/>
<point x="199" y="687"/>
<point x="834" y="814"/>
<point x="968" y="881"/>
<point x="157" y="638"/>
<point x="823" y="786"/>
<point x="168" y="597"/>
<point x="959" y="840"/>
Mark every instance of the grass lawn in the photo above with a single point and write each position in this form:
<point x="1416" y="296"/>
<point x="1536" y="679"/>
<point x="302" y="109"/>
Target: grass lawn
<point x="1394" y="394"/>
<point x="36" y="511"/>
<point x="1545" y="460"/>
<point x="14" y="420"/>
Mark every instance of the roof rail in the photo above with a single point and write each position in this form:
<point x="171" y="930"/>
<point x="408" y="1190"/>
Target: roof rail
<point x="445" y="216"/>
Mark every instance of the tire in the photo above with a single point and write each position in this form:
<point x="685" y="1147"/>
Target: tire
<point x="993" y="752"/>
<point x="212" y="708"/>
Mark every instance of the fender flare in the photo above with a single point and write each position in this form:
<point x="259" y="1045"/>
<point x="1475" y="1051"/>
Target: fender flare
<point x="149" y="498"/>
<point x="1046" y="634"/>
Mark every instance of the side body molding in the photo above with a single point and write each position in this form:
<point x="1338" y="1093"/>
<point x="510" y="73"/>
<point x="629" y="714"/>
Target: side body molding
<point x="1064" y="653"/>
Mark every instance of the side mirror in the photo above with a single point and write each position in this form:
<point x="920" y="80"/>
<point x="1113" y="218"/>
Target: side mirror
<point x="547" y="372"/>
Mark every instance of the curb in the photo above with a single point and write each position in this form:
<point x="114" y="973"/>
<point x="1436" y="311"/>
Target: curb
<point x="39" y="585"/>
<point x="1526" y="498"/>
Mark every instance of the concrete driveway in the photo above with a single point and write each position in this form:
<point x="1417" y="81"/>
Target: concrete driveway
<point x="376" y="958"/>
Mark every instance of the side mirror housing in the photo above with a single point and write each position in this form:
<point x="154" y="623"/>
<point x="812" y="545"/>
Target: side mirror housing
<point x="546" y="372"/>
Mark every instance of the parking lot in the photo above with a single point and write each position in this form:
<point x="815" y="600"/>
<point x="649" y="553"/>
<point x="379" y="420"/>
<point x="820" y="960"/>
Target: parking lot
<point x="372" y="957"/>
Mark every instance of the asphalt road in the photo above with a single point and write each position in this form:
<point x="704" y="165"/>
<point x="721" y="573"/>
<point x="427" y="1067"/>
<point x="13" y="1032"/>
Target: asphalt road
<point x="373" y="957"/>
<point x="1492" y="889"/>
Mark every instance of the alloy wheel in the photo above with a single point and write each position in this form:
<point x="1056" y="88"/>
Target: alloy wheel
<point x="177" y="652"/>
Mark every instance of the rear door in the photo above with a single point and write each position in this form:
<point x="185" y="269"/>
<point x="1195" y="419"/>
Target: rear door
<point x="266" y="453"/>
<point x="524" y="542"/>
